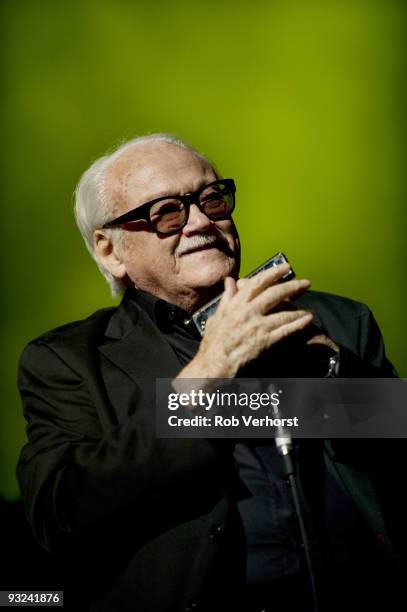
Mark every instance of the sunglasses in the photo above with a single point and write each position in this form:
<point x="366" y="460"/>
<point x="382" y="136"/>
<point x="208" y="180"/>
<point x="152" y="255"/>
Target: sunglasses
<point x="169" y="214"/>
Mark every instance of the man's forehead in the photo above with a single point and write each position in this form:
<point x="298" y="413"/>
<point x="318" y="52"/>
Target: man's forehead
<point x="144" y="173"/>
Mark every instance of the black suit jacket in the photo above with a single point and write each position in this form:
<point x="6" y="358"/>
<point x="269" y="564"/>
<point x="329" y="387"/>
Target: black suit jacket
<point x="150" y="523"/>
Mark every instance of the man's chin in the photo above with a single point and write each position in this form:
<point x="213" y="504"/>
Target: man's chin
<point x="207" y="271"/>
<point x="207" y="287"/>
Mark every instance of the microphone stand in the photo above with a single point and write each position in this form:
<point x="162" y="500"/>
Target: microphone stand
<point x="284" y="446"/>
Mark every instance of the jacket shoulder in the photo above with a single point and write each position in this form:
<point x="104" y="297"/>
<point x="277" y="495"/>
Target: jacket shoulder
<point x="336" y="313"/>
<point x="331" y="302"/>
<point x="91" y="328"/>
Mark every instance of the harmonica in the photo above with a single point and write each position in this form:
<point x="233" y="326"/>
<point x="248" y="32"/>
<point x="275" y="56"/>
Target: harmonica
<point x="201" y="316"/>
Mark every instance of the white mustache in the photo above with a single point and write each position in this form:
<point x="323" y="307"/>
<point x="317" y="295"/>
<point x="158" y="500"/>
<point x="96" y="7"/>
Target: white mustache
<point x="195" y="242"/>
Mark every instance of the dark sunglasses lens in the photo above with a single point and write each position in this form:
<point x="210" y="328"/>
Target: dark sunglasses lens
<point x="217" y="201"/>
<point x="168" y="216"/>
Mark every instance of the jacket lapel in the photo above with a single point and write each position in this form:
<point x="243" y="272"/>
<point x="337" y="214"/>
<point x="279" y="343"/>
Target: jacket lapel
<point x="139" y="352"/>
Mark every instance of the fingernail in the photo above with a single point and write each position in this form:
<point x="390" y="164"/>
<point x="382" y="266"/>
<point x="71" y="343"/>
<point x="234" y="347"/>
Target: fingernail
<point x="305" y="282"/>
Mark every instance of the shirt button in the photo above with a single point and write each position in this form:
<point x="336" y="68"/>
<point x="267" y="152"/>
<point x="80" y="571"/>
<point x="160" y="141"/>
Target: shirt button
<point x="217" y="533"/>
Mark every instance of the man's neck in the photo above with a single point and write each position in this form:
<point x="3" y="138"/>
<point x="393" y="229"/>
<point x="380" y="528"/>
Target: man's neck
<point x="189" y="300"/>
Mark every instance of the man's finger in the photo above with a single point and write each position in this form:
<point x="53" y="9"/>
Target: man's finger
<point x="283" y="331"/>
<point x="275" y="320"/>
<point x="261" y="281"/>
<point x="273" y="296"/>
<point x="229" y="290"/>
<point x="242" y="282"/>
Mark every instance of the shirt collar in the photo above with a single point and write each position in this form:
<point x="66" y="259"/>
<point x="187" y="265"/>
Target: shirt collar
<point x="162" y="313"/>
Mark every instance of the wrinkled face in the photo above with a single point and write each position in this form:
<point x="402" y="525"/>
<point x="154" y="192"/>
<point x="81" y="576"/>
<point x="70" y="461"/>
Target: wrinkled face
<point x="186" y="268"/>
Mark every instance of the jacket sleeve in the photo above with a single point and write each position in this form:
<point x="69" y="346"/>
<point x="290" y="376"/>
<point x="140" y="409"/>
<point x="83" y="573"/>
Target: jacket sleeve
<point x="374" y="456"/>
<point x="76" y="478"/>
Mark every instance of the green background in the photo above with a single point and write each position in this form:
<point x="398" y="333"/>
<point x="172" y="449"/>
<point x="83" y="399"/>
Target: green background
<point x="302" y="102"/>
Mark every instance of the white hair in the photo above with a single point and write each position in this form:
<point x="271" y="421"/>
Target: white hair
<point x="92" y="205"/>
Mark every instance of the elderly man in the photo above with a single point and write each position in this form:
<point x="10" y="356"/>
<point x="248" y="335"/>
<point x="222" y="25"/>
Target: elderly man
<point x="170" y="525"/>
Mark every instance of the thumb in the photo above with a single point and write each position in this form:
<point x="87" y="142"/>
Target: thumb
<point x="230" y="289"/>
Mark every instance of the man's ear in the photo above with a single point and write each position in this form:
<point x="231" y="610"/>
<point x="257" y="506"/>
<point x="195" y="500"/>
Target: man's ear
<point x="108" y="254"/>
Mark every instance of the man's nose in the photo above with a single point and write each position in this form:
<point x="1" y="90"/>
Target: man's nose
<point x="197" y="221"/>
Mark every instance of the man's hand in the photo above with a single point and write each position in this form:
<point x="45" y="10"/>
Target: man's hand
<point x="253" y="315"/>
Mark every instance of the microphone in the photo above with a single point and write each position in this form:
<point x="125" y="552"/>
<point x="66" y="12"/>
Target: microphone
<point x="283" y="439"/>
